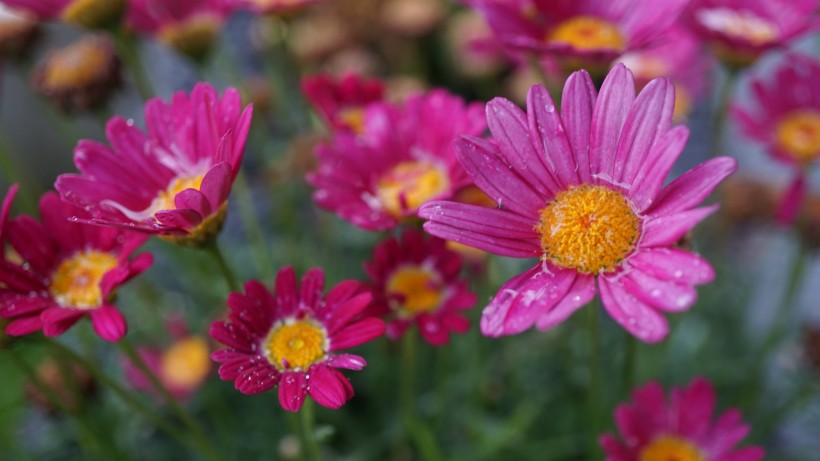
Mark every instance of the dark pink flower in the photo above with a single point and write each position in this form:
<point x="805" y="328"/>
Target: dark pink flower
<point x="67" y="271"/>
<point x="583" y="191"/>
<point x="681" y="428"/>
<point x="172" y="180"/>
<point x="292" y="338"/>
<point x="416" y="281"/>
<point x="341" y="103"/>
<point x="403" y="158"/>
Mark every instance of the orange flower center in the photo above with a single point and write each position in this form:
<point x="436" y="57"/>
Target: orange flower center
<point x="353" y="118"/>
<point x="670" y="448"/>
<point x="186" y="363"/>
<point x="76" y="282"/>
<point x="588" y="33"/>
<point x="588" y="228"/>
<point x="76" y="65"/>
<point x="296" y="344"/>
<point x="193" y="37"/>
<point x="409" y="185"/>
<point x="165" y="199"/>
<point x="419" y="290"/>
<point x="798" y="133"/>
<point x="683" y="103"/>
<point x="741" y="24"/>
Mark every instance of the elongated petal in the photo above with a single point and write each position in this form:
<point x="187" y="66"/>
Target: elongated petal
<point x="501" y="246"/>
<point x="328" y="387"/>
<point x="357" y="333"/>
<point x="550" y="137"/>
<point x="578" y="102"/>
<point x="292" y="391"/>
<point x="661" y="294"/>
<point x="669" y="229"/>
<point x="654" y="170"/>
<point x="611" y="109"/>
<point x="579" y="294"/>
<point x="674" y="265"/>
<point x="644" y="322"/>
<point x="692" y="187"/>
<point x="109" y="323"/>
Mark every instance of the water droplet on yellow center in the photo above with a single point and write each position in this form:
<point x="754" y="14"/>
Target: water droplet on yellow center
<point x="186" y="363"/>
<point x="588" y="33"/>
<point x="798" y="133"/>
<point x="588" y="228"/>
<point x="76" y="65"/>
<point x="165" y="199"/>
<point x="409" y="185"/>
<point x="76" y="282"/>
<point x="418" y="289"/>
<point x="670" y="448"/>
<point x="296" y="344"/>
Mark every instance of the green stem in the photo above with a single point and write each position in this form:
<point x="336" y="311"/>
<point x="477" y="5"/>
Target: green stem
<point x="15" y="174"/>
<point x="252" y="225"/>
<point x="308" y="431"/>
<point x="630" y="362"/>
<point x="786" y="309"/>
<point x="535" y="65"/>
<point x="594" y="388"/>
<point x="213" y="249"/>
<point x="286" y="75"/>
<point x="409" y="348"/>
<point x="127" y="48"/>
<point x="722" y="111"/>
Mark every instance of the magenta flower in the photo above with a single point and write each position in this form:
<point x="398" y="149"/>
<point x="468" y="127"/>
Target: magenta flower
<point x="274" y="6"/>
<point x="680" y="429"/>
<point x="174" y="179"/>
<point x="403" y="159"/>
<point x="416" y="281"/>
<point x="67" y="271"/>
<point x="292" y="337"/>
<point x="86" y="13"/>
<point x="341" y="103"/>
<point x="786" y="120"/>
<point x="583" y="191"/>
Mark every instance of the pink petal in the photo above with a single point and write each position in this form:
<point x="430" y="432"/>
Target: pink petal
<point x="537" y="297"/>
<point x="5" y="209"/>
<point x="497" y="245"/>
<point x="656" y="167"/>
<point x="694" y="406"/>
<point x="673" y="264"/>
<point x="611" y="109"/>
<point x="292" y="390"/>
<point x="613" y="449"/>
<point x="182" y="219"/>
<point x="668" y="229"/>
<point x="216" y="185"/>
<point x="194" y="200"/>
<point x="495" y="314"/>
<point x="488" y="221"/>
<point x="24" y="326"/>
<point x="57" y="320"/>
<point x="660" y="294"/>
<point x="258" y="379"/>
<point x="691" y="188"/>
<point x="745" y="454"/>
<point x="548" y="135"/>
<point x="356" y="334"/>
<point x="580" y="293"/>
<point x="109" y="323"/>
<point x="328" y="387"/>
<point x="346" y="361"/>
<point x="287" y="298"/>
<point x="346" y="311"/>
<point x="644" y="322"/>
<point x="20" y="305"/>
<point x="313" y="285"/>
<point x="578" y="102"/>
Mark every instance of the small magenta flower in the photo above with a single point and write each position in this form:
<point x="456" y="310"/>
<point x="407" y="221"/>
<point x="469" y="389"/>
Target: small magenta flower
<point x="174" y="179"/>
<point x="292" y="338"/>
<point x="583" y="191"/>
<point x="403" y="158"/>
<point x="67" y="271"/>
<point x="786" y="120"/>
<point x="341" y="103"/>
<point x="656" y="429"/>
<point x="416" y="281"/>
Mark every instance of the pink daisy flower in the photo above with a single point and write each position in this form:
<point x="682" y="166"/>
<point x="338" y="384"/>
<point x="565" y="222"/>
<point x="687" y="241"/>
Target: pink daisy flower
<point x="174" y="179"/>
<point x="403" y="159"/>
<point x="742" y="30"/>
<point x="786" y="120"/>
<point x="416" y="281"/>
<point x="86" y="13"/>
<point x="680" y="429"/>
<point x="292" y="337"/>
<point x="68" y="271"/>
<point x="583" y="191"/>
<point x="274" y="6"/>
<point x="341" y="103"/>
<point x="582" y="32"/>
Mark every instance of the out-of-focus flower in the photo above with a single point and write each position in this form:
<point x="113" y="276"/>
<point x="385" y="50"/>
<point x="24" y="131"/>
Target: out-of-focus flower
<point x="416" y="281"/>
<point x="583" y="191"/>
<point x="411" y="18"/>
<point x="472" y="45"/>
<point x="743" y="199"/>
<point x="293" y="336"/>
<point x="18" y="30"/>
<point x="274" y="6"/>
<point x="786" y="119"/>
<point x="403" y="158"/>
<point x="80" y="76"/>
<point x="174" y="179"/>
<point x="68" y="382"/>
<point x="583" y="33"/>
<point x="189" y="26"/>
<point x="681" y="428"/>
<point x="69" y="271"/>
<point x="83" y="13"/>
<point x="741" y="30"/>
<point x="341" y="102"/>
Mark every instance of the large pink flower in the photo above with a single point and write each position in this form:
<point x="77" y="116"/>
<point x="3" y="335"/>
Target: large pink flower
<point x="292" y="337"/>
<point x="403" y="158"/>
<point x="341" y="103"/>
<point x="66" y="271"/>
<point x="416" y="280"/>
<point x="173" y="180"/>
<point x="583" y="191"/>
<point x="786" y="120"/>
<point x="681" y="428"/>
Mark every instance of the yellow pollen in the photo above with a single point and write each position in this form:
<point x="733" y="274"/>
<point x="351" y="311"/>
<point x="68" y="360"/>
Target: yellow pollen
<point x="588" y="33"/>
<point x="76" y="65"/>
<point x="418" y="289"/>
<point x="671" y="448"/>
<point x="76" y="282"/>
<point x="409" y="185"/>
<point x="165" y="199"/>
<point x="588" y="228"/>
<point x="353" y="118"/>
<point x="186" y="363"/>
<point x="798" y="133"/>
<point x="296" y="344"/>
<point x="194" y="37"/>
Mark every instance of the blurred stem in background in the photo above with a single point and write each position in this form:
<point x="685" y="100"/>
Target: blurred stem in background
<point x="128" y="49"/>
<point x="724" y="94"/>
<point x="212" y="247"/>
<point x="253" y="227"/>
<point x="308" y="431"/>
<point x="13" y="173"/>
<point x="594" y="387"/>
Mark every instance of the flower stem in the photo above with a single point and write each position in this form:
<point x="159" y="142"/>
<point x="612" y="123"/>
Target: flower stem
<point x="309" y="443"/>
<point x="213" y="248"/>
<point x="594" y="387"/>
<point x="722" y="110"/>
<point x="253" y="227"/>
<point x="127" y="49"/>
<point x="409" y="348"/>
<point x="630" y="362"/>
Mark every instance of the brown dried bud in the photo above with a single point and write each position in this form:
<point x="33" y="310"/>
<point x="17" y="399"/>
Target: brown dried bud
<point x="68" y="382"/>
<point x="17" y="32"/>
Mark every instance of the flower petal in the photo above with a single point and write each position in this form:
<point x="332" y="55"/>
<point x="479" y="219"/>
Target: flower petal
<point x="660" y="294"/>
<point x="109" y="323"/>
<point x="608" y="118"/>
<point x="691" y="188"/>
<point x="328" y="387"/>
<point x="578" y="102"/>
<point x="667" y="230"/>
<point x="549" y="137"/>
<point x="579" y="294"/>
<point x="673" y="264"/>
<point x="292" y="391"/>
<point x="644" y="322"/>
<point x="356" y="334"/>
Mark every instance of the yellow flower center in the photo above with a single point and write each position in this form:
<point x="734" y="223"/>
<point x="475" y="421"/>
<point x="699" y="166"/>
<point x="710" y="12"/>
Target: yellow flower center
<point x="588" y="228"/>
<point x="799" y="134"/>
<point x="165" y="199"/>
<point x="76" y="65"/>
<point x="76" y="282"/>
<point x="418" y="288"/>
<point x="741" y="24"/>
<point x="353" y="118"/>
<point x="410" y="184"/>
<point x="186" y="363"/>
<point x="92" y="13"/>
<point x="670" y="448"/>
<point x="193" y="37"/>
<point x="588" y="33"/>
<point x="683" y="103"/>
<point x="296" y="344"/>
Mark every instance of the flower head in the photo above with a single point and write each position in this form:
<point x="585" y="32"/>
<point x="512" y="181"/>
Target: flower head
<point x="416" y="280"/>
<point x="18" y="30"/>
<point x="341" y="103"/>
<point x="786" y="120"/>
<point x="174" y="179"/>
<point x="83" y="13"/>
<point x="68" y="271"/>
<point x="292" y="338"/>
<point x="403" y="158"/>
<point x="583" y="191"/>
<point x="681" y="428"/>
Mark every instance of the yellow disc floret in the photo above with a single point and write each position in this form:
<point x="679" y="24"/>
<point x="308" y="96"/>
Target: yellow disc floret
<point x="671" y="448"/>
<point x="185" y="364"/>
<point x="410" y="184"/>
<point x="93" y="13"/>
<point x="77" y="65"/>
<point x="798" y="133"/>
<point x="76" y="282"/>
<point x="588" y="33"/>
<point x="418" y="288"/>
<point x="165" y="199"/>
<point x="296" y="344"/>
<point x="353" y="118"/>
<point x="588" y="228"/>
<point x="194" y="37"/>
